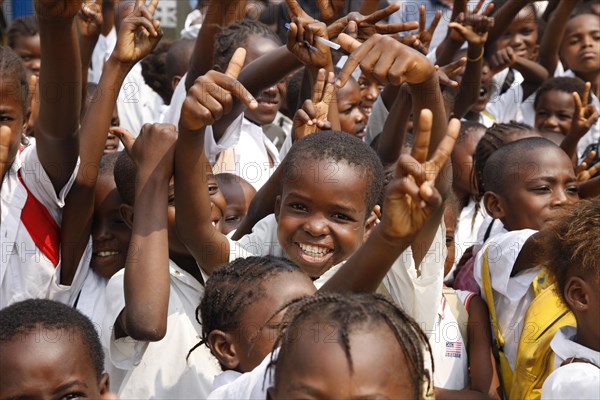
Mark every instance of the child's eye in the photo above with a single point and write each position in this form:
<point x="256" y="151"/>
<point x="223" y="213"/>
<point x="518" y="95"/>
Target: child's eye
<point x="6" y="118"/>
<point x="342" y="217"/>
<point x="212" y="189"/>
<point x="527" y="32"/>
<point x="172" y="200"/>
<point x="299" y="207"/>
<point x="572" y="189"/>
<point x="71" y="396"/>
<point x="565" y="117"/>
<point x="541" y="189"/>
<point x="232" y="218"/>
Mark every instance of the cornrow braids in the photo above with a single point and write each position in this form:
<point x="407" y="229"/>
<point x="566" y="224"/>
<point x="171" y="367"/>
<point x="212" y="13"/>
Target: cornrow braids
<point x="571" y="246"/>
<point x="352" y="313"/>
<point x="237" y="35"/>
<point x="26" y="26"/>
<point x="232" y="288"/>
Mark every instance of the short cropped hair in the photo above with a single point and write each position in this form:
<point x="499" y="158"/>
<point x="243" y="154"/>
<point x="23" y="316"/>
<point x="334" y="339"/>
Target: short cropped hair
<point x="496" y="174"/>
<point x="13" y="70"/>
<point x="125" y="175"/>
<point x="29" y="315"/>
<point x="337" y="147"/>
<point x="26" y="26"/>
<point x="561" y="84"/>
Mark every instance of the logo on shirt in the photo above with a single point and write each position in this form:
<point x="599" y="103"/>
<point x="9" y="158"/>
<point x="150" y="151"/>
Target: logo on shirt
<point x="453" y="349"/>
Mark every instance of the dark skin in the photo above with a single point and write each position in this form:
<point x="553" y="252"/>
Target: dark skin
<point x="31" y="369"/>
<point x="28" y="48"/>
<point x="351" y="115"/>
<point x="238" y="194"/>
<point x="132" y="45"/>
<point x="581" y="295"/>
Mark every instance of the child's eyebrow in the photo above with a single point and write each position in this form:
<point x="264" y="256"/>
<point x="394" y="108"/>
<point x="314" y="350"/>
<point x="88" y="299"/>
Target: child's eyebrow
<point x="69" y="385"/>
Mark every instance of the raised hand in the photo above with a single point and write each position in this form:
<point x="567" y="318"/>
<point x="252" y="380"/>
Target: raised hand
<point x="57" y="9"/>
<point x="473" y="27"/>
<point x="302" y="37"/>
<point x="89" y="20"/>
<point x="139" y="34"/>
<point x="585" y="116"/>
<point x="313" y="114"/>
<point x="363" y="27"/>
<point x="412" y="197"/>
<point x="211" y="96"/>
<point x="330" y="8"/>
<point x="447" y="72"/>
<point x="422" y="41"/>
<point x="385" y="60"/>
<point x="582" y="171"/>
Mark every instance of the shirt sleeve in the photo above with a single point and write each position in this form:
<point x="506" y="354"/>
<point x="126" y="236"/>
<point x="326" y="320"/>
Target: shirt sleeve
<point x="68" y="294"/>
<point x="230" y="139"/>
<point x="580" y="378"/>
<point x="39" y="184"/>
<point x="124" y="353"/>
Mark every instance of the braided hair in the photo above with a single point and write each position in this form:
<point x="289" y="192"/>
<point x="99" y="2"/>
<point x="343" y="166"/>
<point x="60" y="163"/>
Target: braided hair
<point x="352" y="313"/>
<point x="232" y="288"/>
<point x="237" y="35"/>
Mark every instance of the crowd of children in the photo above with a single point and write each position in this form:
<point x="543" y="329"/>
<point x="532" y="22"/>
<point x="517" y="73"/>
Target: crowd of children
<point x="372" y="209"/>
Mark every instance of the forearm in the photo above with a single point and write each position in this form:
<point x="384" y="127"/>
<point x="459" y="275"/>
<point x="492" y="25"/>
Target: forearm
<point x="471" y="83"/>
<point x="533" y="75"/>
<point x="550" y="44"/>
<point x="219" y="14"/>
<point x="394" y="130"/>
<point x="446" y="51"/>
<point x="209" y="247"/>
<point x="590" y="189"/>
<point x="427" y="95"/>
<point x="147" y="268"/>
<point x="504" y="16"/>
<point x="569" y="144"/>
<point x="86" y="49"/>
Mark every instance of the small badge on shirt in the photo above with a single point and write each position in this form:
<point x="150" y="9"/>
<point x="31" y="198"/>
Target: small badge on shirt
<point x="453" y="349"/>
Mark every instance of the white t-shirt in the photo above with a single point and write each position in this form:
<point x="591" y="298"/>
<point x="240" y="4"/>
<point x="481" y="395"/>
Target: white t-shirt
<point x="467" y="228"/>
<point x="417" y="292"/>
<point x="449" y="348"/>
<point x="102" y="51"/>
<point x="159" y="369"/>
<point x="25" y="272"/>
<point x="512" y="295"/>
<point x="578" y="379"/>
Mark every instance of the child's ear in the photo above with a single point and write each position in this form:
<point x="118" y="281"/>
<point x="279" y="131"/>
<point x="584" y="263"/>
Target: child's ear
<point x="277" y="209"/>
<point x="104" y="385"/>
<point x="576" y="294"/>
<point x="494" y="205"/>
<point x="175" y="81"/>
<point x="223" y="349"/>
<point x="372" y="221"/>
<point x="126" y="212"/>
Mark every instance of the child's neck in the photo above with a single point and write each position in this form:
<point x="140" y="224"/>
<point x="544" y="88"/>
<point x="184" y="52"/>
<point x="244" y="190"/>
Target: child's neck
<point x="586" y="336"/>
<point x="188" y="264"/>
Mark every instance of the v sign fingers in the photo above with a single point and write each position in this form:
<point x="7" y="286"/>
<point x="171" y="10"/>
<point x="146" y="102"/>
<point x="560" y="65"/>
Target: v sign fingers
<point x="421" y="147"/>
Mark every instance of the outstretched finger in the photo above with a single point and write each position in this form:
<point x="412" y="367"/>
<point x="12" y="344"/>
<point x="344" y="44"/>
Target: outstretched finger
<point x="237" y="63"/>
<point x="358" y="52"/>
<point x="593" y="169"/>
<point x="442" y="153"/>
<point x="237" y="89"/>
<point x="586" y="93"/>
<point x="152" y="7"/>
<point x="478" y="6"/>
<point x="459" y="27"/>
<point x="329" y="90"/>
<point x="421" y="147"/>
<point x="488" y="10"/>
<point x="294" y="7"/>
<point x="435" y="22"/>
<point x="388" y="29"/>
<point x="319" y="86"/>
<point x="382" y="14"/>
<point x="125" y="137"/>
<point x="579" y="109"/>
<point x="422" y="19"/>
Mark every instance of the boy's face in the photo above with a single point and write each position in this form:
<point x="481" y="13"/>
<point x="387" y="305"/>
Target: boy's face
<point x="251" y="343"/>
<point x="580" y="47"/>
<point x="521" y="35"/>
<point x="352" y="117"/>
<point x="462" y="161"/>
<point x="28" y="48"/>
<point x="321" y="215"/>
<point x="316" y="365"/>
<point x="537" y="190"/>
<point x="58" y="367"/>
<point x="238" y="196"/>
<point x="110" y="233"/>
<point x="554" y="112"/>
<point x="369" y="91"/>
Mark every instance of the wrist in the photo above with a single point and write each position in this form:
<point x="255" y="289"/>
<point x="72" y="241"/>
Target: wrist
<point x="475" y="52"/>
<point x="121" y="66"/>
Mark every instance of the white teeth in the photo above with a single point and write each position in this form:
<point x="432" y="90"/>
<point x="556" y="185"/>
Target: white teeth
<point x="313" y="250"/>
<point x="107" y="253"/>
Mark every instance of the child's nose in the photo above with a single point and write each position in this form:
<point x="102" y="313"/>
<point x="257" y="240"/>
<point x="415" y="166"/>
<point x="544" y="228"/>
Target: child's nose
<point x="372" y="92"/>
<point x="550" y="122"/>
<point x="560" y="198"/>
<point x="316" y="226"/>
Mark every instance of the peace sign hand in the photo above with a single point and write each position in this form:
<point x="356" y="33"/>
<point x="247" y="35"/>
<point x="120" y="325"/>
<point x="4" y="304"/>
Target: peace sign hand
<point x="211" y="96"/>
<point x="302" y="37"/>
<point x="411" y="197"/>
<point x="473" y="27"/>
<point x="313" y="114"/>
<point x="585" y="116"/>
<point x="582" y="171"/>
<point x="139" y="34"/>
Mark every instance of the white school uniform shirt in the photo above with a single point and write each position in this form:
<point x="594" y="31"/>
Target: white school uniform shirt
<point x="159" y="369"/>
<point x="251" y="385"/>
<point x="512" y="295"/>
<point x="25" y="272"/>
<point x="578" y="377"/>
<point x="102" y="51"/>
<point x="417" y="292"/>
<point x="138" y="103"/>
<point x="449" y="348"/>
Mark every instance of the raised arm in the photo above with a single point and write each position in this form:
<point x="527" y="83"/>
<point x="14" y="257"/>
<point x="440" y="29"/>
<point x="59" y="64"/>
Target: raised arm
<point x="147" y="278"/>
<point x="550" y="43"/>
<point x="60" y="87"/>
<point x="208" y="100"/>
<point x="139" y="34"/>
<point x="533" y="73"/>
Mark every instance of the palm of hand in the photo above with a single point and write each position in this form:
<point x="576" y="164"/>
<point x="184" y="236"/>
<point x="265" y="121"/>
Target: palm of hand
<point x="134" y="43"/>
